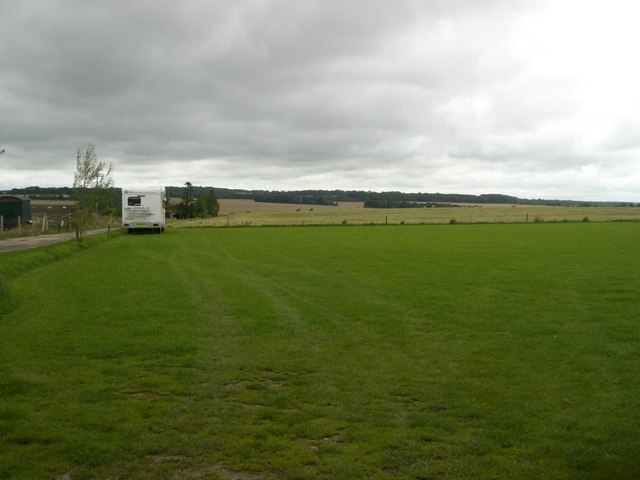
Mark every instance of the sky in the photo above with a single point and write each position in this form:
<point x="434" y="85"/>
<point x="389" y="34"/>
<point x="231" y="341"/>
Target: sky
<point x="532" y="98"/>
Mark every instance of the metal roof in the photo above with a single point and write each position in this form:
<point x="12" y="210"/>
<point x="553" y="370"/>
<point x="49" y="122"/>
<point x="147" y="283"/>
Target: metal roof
<point x="22" y="198"/>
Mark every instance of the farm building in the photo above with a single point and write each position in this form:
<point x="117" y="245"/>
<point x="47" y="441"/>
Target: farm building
<point x="52" y="213"/>
<point x="14" y="210"/>
<point x="52" y="208"/>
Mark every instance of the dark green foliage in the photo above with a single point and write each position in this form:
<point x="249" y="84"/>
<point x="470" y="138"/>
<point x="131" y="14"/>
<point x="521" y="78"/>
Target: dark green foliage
<point x="207" y="204"/>
<point x="331" y="197"/>
<point x="211" y="204"/>
<point x="44" y="192"/>
<point x="197" y="202"/>
<point x="386" y="199"/>
<point x="188" y="207"/>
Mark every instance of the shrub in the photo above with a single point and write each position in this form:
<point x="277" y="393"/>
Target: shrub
<point x="585" y="219"/>
<point x="453" y="221"/>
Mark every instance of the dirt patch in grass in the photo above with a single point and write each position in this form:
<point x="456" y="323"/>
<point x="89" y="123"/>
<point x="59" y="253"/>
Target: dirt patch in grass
<point x="64" y="476"/>
<point x="227" y="474"/>
<point x="180" y="464"/>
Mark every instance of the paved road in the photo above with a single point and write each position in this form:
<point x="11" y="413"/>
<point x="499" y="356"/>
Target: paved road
<point x="26" y="243"/>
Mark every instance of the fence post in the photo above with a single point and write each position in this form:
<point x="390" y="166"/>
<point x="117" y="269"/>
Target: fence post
<point x="1" y="223"/>
<point x="19" y="221"/>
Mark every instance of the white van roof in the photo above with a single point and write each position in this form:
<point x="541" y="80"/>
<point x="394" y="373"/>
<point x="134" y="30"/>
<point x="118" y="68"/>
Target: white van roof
<point x="142" y="189"/>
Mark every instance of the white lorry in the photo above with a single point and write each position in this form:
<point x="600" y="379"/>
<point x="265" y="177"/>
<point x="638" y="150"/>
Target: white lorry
<point x="143" y="209"/>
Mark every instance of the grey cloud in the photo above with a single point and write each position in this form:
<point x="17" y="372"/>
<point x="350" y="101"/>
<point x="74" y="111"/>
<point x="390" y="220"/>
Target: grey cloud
<point x="360" y="94"/>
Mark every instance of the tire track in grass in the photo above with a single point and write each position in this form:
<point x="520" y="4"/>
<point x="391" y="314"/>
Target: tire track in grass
<point x="344" y="387"/>
<point x="208" y="422"/>
<point x="247" y="375"/>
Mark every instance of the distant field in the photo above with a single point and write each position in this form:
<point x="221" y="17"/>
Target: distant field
<point x="496" y="351"/>
<point x="236" y="206"/>
<point x="248" y="212"/>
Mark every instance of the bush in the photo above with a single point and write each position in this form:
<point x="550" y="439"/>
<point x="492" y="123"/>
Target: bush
<point x="453" y="221"/>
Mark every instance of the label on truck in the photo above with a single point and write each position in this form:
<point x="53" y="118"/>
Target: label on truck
<point x="137" y="213"/>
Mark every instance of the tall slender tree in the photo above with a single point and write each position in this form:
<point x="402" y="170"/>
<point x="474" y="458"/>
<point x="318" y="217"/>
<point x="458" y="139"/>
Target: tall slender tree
<point x="189" y="201"/>
<point x="91" y="187"/>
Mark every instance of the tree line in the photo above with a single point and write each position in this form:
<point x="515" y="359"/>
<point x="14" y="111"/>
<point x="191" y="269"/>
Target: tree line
<point x="392" y="199"/>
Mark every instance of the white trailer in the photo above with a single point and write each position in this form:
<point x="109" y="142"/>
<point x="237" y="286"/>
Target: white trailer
<point x="143" y="209"/>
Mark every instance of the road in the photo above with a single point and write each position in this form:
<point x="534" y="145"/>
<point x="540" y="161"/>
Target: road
<point x="27" y="243"/>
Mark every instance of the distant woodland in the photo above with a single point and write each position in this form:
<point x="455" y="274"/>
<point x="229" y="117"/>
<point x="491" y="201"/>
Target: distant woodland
<point x="332" y="197"/>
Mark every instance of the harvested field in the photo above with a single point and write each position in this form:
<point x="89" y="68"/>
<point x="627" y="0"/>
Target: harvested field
<point x="234" y="206"/>
<point x="248" y="212"/>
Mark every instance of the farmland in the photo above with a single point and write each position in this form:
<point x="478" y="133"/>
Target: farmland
<point x="248" y="212"/>
<point x="398" y="351"/>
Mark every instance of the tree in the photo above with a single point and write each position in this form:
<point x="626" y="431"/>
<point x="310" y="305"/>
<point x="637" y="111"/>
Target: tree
<point x="201" y="205"/>
<point x="213" y="207"/>
<point x="207" y="204"/>
<point x="188" y="201"/>
<point x="91" y="187"/>
<point x="197" y="203"/>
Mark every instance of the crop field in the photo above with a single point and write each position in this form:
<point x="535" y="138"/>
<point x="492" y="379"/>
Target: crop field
<point x="491" y="351"/>
<point x="248" y="212"/>
<point x="232" y="206"/>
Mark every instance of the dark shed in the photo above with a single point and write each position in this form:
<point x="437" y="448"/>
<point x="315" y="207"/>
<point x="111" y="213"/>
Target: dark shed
<point x="15" y="210"/>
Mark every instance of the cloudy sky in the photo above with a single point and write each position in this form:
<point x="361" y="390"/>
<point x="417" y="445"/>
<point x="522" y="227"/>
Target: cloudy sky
<point x="534" y="98"/>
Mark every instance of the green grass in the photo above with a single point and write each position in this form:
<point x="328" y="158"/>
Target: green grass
<point x="417" y="352"/>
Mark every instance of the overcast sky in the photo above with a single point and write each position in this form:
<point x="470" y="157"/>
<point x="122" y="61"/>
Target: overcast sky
<point x="534" y="98"/>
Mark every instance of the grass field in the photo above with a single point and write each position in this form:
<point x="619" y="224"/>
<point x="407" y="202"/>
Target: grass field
<point x="410" y="352"/>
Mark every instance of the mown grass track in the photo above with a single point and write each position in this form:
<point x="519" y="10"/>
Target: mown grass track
<point x="486" y="351"/>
